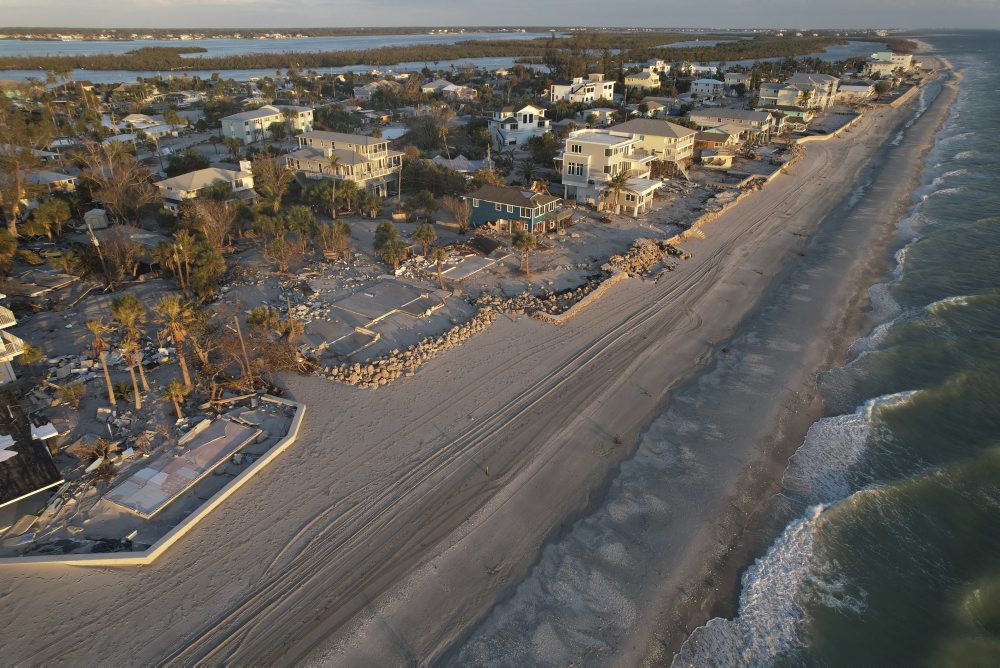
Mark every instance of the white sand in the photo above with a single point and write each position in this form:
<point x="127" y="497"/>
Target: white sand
<point x="379" y="536"/>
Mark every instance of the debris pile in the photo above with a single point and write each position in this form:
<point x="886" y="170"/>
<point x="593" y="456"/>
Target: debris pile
<point x="643" y="255"/>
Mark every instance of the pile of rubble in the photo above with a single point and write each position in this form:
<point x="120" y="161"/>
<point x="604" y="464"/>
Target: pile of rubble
<point x="643" y="255"/>
<point x="384" y="370"/>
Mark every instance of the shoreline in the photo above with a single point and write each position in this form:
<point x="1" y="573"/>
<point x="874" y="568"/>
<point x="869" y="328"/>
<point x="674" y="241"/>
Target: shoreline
<point x="766" y="521"/>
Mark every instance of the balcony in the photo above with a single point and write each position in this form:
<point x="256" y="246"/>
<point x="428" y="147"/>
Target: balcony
<point x="641" y="155"/>
<point x="7" y="318"/>
<point x="10" y="346"/>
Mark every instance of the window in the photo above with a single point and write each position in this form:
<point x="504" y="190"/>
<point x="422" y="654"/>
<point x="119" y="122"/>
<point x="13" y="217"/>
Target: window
<point x="510" y="209"/>
<point x="498" y="207"/>
<point x="576" y="148"/>
<point x="475" y="203"/>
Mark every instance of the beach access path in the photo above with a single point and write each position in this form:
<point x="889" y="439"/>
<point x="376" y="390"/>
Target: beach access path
<point x="401" y="516"/>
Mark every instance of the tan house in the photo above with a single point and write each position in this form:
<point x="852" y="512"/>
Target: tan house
<point x="365" y="160"/>
<point x="646" y="79"/>
<point x="188" y="186"/>
<point x="667" y="141"/>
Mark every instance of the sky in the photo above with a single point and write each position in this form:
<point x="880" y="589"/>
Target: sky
<point x="351" y="13"/>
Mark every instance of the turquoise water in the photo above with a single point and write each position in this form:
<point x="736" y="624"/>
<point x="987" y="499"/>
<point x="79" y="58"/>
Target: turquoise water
<point x="894" y="558"/>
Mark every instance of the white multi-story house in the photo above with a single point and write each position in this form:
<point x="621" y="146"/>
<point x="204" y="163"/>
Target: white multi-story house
<point x="708" y="88"/>
<point x="668" y="142"/>
<point x="699" y="70"/>
<point x="644" y="79"/>
<point x="591" y="158"/>
<point x="514" y="127"/>
<point x="255" y="125"/>
<point x="855" y="91"/>
<point x="581" y="89"/>
<point x="887" y="62"/>
<point x="177" y="189"/>
<point x="365" y="160"/>
<point x="10" y="345"/>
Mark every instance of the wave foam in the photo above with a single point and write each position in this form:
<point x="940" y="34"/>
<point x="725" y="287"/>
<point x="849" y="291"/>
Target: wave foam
<point x="942" y="305"/>
<point x="965" y="155"/>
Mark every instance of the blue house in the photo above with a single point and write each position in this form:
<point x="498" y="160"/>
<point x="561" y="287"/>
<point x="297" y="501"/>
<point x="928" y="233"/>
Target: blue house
<point x="506" y="209"/>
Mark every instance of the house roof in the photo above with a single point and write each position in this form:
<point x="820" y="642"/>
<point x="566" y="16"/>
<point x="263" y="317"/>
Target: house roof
<point x="645" y="74"/>
<point x="741" y="114"/>
<point x="808" y="78"/>
<point x="512" y="196"/>
<point x="201" y="178"/>
<point x="30" y="470"/>
<point x="343" y="137"/>
<point x="654" y="127"/>
<point x="708" y="81"/>
<point x="44" y="177"/>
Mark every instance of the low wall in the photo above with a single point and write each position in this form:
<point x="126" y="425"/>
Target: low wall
<point x="842" y="128"/>
<point x="595" y="294"/>
<point x="149" y="555"/>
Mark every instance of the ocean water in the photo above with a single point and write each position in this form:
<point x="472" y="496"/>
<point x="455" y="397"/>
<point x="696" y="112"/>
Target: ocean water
<point x="893" y="555"/>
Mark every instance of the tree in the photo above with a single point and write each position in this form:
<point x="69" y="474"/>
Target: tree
<point x="128" y="312"/>
<point x="18" y="134"/>
<point x="348" y="192"/>
<point x="425" y="234"/>
<point x="271" y="180"/>
<point x="130" y="350"/>
<point x="48" y="217"/>
<point x="526" y="170"/>
<point x="99" y="330"/>
<point x="72" y="393"/>
<point x="334" y="238"/>
<point x="277" y="130"/>
<point x="114" y="177"/>
<point x="281" y="252"/>
<point x="388" y="245"/>
<point x="614" y="188"/>
<point x="235" y="145"/>
<point x="438" y="256"/>
<point x="524" y="242"/>
<point x="460" y="210"/>
<point x="370" y="203"/>
<point x="175" y="392"/>
<point x="176" y="316"/>
<point x="182" y="163"/>
<point x="8" y="248"/>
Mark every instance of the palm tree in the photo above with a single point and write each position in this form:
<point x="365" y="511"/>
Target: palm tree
<point x="616" y="185"/>
<point x="349" y="192"/>
<point x="130" y="349"/>
<point x="99" y="330"/>
<point x="175" y="392"/>
<point x="176" y="316"/>
<point x="424" y="234"/>
<point x="130" y="315"/>
<point x="234" y="144"/>
<point x="438" y="256"/>
<point x="526" y="170"/>
<point x="524" y="241"/>
<point x="393" y="252"/>
<point x="332" y="162"/>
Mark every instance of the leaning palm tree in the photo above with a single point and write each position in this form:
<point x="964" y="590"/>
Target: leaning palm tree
<point x="424" y="234"/>
<point x="438" y="256"/>
<point x="176" y="316"/>
<point x="332" y="162"/>
<point x="175" y="392"/>
<point x="128" y="312"/>
<point x="130" y="350"/>
<point x="99" y="330"/>
<point x="616" y="185"/>
<point x="524" y="241"/>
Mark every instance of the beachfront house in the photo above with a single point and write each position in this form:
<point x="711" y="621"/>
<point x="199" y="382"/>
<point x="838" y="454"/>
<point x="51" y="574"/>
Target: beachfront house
<point x="591" y="158"/>
<point x="801" y="90"/>
<point x="854" y="92"/>
<point x="188" y="186"/>
<point x="708" y="88"/>
<point x="668" y="142"/>
<point x="757" y="125"/>
<point x="886" y="64"/>
<point x="580" y="89"/>
<point x="509" y="208"/>
<point x="255" y="125"/>
<point x="365" y="160"/>
<point x="646" y="79"/>
<point x="513" y="126"/>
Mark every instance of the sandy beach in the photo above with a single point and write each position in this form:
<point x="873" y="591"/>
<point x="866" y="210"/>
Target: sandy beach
<point x="407" y="525"/>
